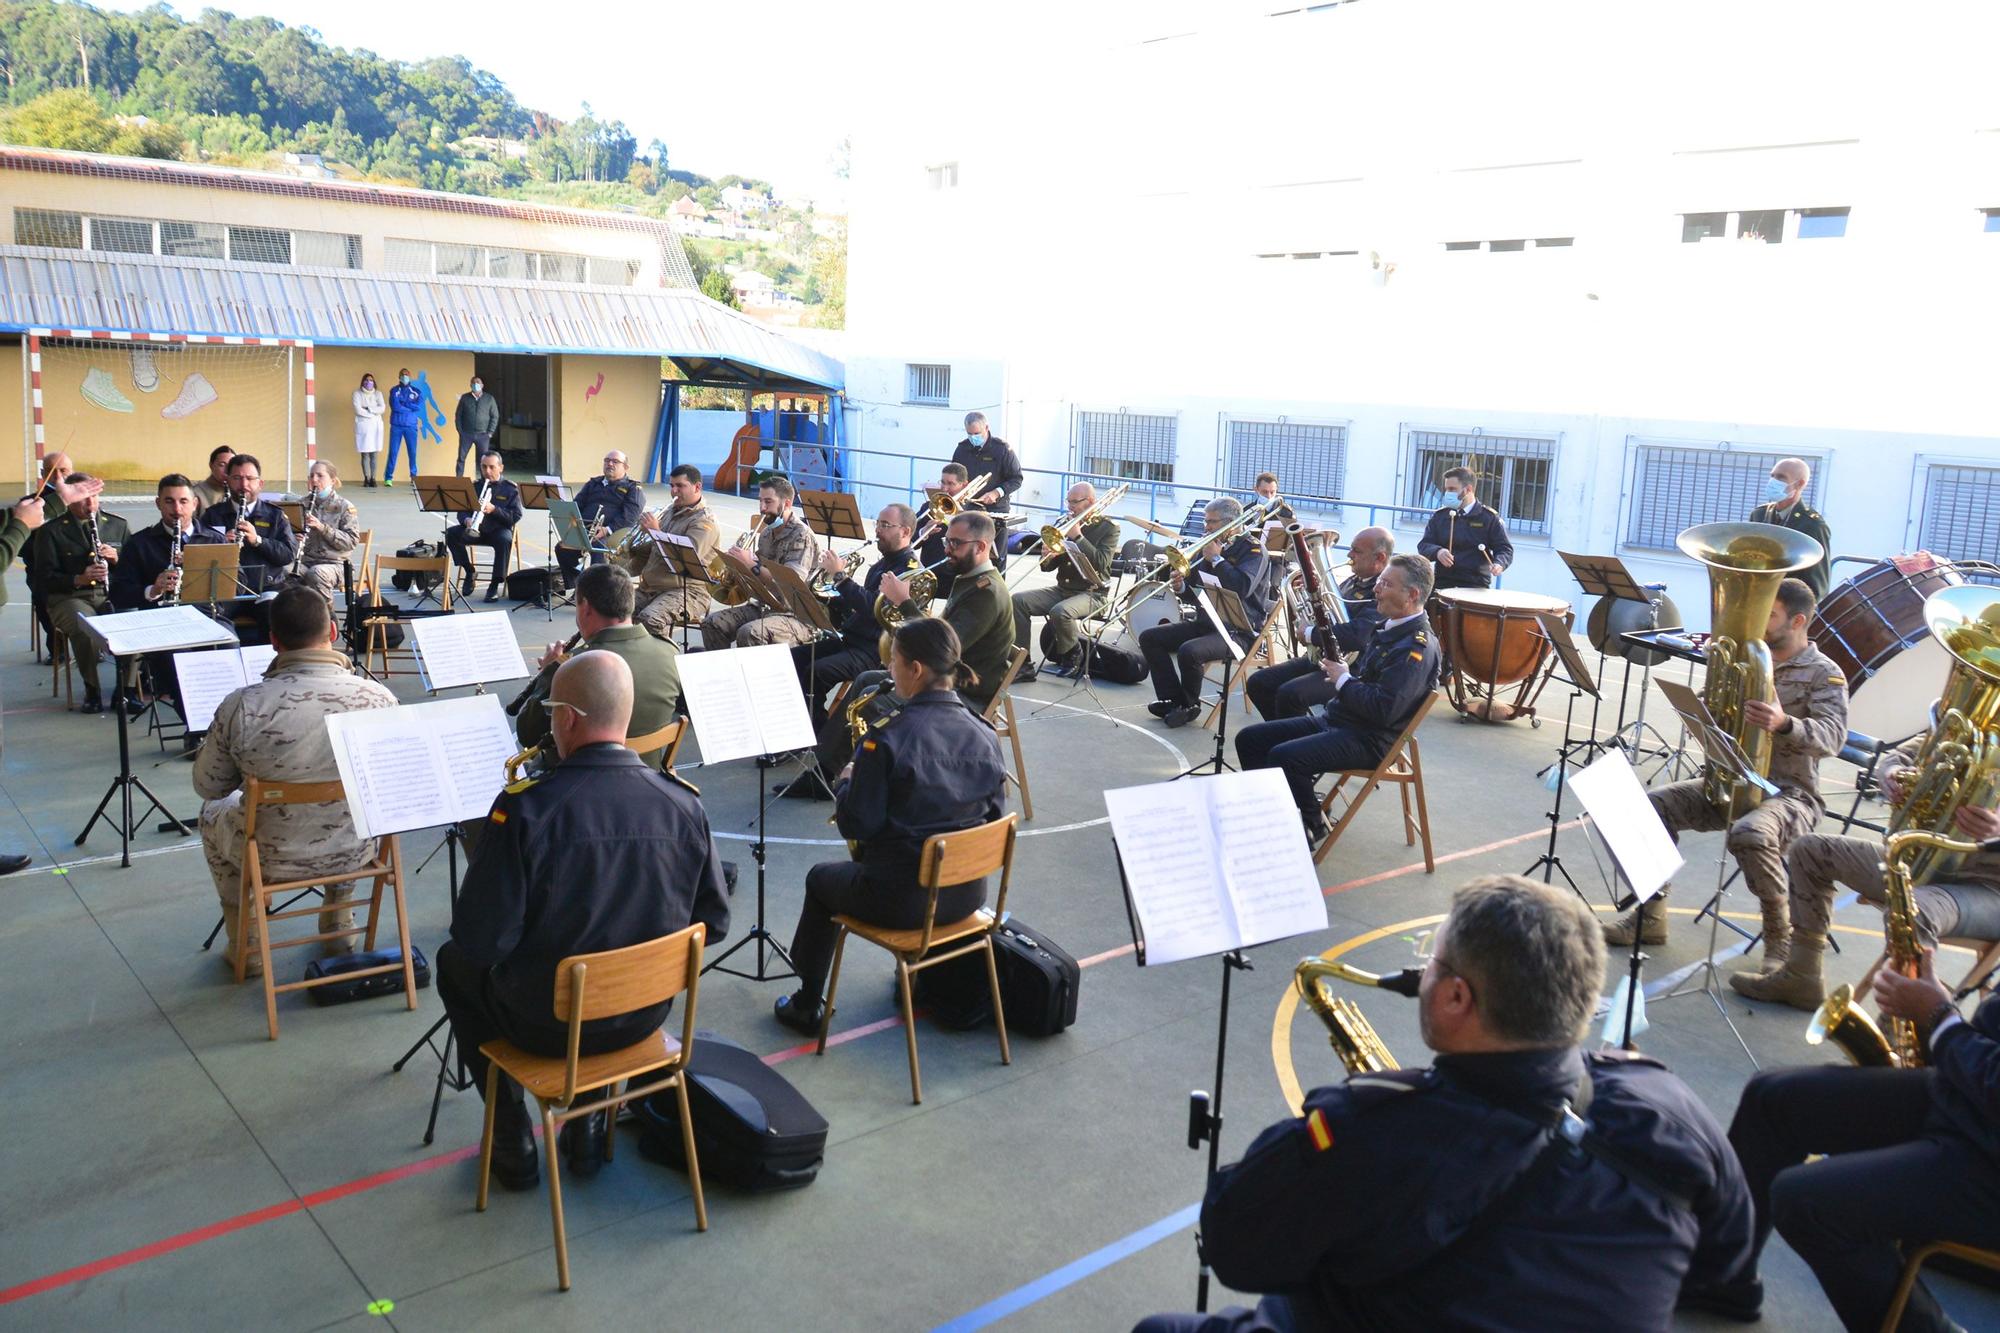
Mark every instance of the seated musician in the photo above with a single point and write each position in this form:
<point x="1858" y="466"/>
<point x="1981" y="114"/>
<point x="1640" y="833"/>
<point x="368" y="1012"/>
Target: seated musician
<point x="275" y="729"/>
<point x="1911" y="1156"/>
<point x="952" y="481"/>
<point x="1466" y="538"/>
<point x="54" y="467"/>
<point x="1440" y="1198"/>
<point x="332" y="534"/>
<point x="601" y="853"/>
<point x="1178" y="655"/>
<point x="148" y="572"/>
<point x="666" y="599"/>
<point x="932" y="767"/>
<point x="783" y="539"/>
<point x="1295" y="688"/>
<point x="604" y="624"/>
<point x="607" y="503"/>
<point x="1370" y="705"/>
<point x="1808" y="723"/>
<point x="214" y="489"/>
<point x="1075" y="593"/>
<point x="491" y="524"/>
<point x="1965" y="905"/>
<point x="822" y="666"/>
<point x="74" y="557"/>
<point x="256" y="525"/>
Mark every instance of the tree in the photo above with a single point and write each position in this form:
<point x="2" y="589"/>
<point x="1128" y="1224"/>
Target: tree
<point x="828" y="280"/>
<point x="71" y="118"/>
<point x="715" y="286"/>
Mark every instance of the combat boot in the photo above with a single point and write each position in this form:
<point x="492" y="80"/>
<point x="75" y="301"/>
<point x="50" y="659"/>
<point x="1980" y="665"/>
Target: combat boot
<point x="1799" y="983"/>
<point x="1649" y="919"/>
<point x="1777" y="936"/>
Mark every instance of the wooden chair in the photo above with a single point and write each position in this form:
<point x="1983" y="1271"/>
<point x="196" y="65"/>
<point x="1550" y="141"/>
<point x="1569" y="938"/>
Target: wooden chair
<point x="378" y="649"/>
<point x="1262" y="652"/>
<point x="254" y="913"/>
<point x="1401" y="765"/>
<point x="60" y="682"/>
<point x="947" y="858"/>
<point x="605" y="985"/>
<point x="999" y="715"/>
<point x="1964" y="1253"/>
<point x="364" y="551"/>
<point x="667" y="738"/>
<point x="1985" y="961"/>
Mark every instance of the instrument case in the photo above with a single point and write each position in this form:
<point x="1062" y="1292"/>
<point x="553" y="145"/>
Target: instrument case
<point x="1038" y="984"/>
<point x="752" y="1128"/>
<point x="365" y="988"/>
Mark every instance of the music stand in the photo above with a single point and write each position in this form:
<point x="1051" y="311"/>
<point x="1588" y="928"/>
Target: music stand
<point x="1642" y="852"/>
<point x="832" y="514"/>
<point x="210" y="573"/>
<point x="295" y="514"/>
<point x="1604" y="576"/>
<point x="1580" y="681"/>
<point x="1224" y="610"/>
<point x="793" y="596"/>
<point x="445" y="494"/>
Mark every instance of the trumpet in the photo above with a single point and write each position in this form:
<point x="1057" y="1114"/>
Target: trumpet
<point x="1348" y="1029"/>
<point x="823" y="584"/>
<point x="1055" y="538"/>
<point x="730" y="590"/>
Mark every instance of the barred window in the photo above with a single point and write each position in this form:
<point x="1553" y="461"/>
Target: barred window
<point x="192" y="240"/>
<point x="560" y="268"/>
<point x="129" y="236"/>
<point x="1516" y="473"/>
<point x="929" y="385"/>
<point x="260" y="245"/>
<point x="460" y="261"/>
<point x="1674" y="487"/>
<point x="1310" y="458"/>
<point x="1131" y="445"/>
<point x="406" y="256"/>
<point x="613" y="272"/>
<point x="1961" y="514"/>
<point x="326" y="249"/>
<point x="508" y="264"/>
<point x="43" y="226"/>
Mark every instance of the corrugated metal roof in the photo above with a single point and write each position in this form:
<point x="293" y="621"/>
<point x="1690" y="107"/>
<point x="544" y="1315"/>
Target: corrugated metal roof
<point x="49" y="288"/>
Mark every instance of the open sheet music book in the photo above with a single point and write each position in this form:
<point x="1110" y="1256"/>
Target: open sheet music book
<point x="468" y="650"/>
<point x="745" y="702"/>
<point x="1214" y="864"/>
<point x="159" y="629"/>
<point x="207" y="677"/>
<point x="1616" y="803"/>
<point x="421" y="765"/>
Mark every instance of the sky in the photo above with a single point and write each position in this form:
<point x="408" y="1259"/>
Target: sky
<point x="752" y="87"/>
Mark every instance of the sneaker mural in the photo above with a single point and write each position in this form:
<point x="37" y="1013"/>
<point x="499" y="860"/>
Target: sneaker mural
<point x="196" y="393"/>
<point x="145" y="375"/>
<point x="99" y="390"/>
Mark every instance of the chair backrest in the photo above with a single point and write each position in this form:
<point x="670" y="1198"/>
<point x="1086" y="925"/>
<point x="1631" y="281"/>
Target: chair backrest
<point x="1409" y="728"/>
<point x="415" y="564"/>
<point x="967" y="854"/>
<point x="667" y="738"/>
<point x="364" y="550"/>
<point x="258" y="793"/>
<point x="619" y="981"/>
<point x="1014" y="665"/>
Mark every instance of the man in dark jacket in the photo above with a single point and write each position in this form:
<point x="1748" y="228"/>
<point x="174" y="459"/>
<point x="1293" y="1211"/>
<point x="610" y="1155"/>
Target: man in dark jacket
<point x="1295" y="688"/>
<point x="983" y="452"/>
<point x="477" y="421"/>
<point x="1518" y="1182"/>
<point x="1466" y="538"/>
<point x="1784" y="505"/>
<point x="256" y="525"/>
<point x="602" y="853"/>
<point x="1178" y="654"/>
<point x="607" y="503"/>
<point x="72" y="576"/>
<point x="492" y="524"/>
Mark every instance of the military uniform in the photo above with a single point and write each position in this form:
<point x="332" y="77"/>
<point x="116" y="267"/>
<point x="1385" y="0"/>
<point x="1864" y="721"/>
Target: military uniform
<point x="1178" y="655"/>
<point x="326" y="548"/>
<point x="1463" y="534"/>
<point x="62" y="551"/>
<point x="1295" y="688"/>
<point x="1802" y="517"/>
<point x="656" y="685"/>
<point x="275" y="729"/>
<point x="495" y="530"/>
<point x="981" y="610"/>
<point x="991" y="455"/>
<point x="822" y="666"/>
<point x="14" y="535"/>
<point x="1073" y="597"/>
<point x="1441" y="1236"/>
<point x="261" y="566"/>
<point x="606" y="503"/>
<point x="208" y="494"/>
<point x="788" y="542"/>
<point x="145" y="556"/>
<point x="602" y="853"/>
<point x="934" y="767"/>
<point x="1397" y="670"/>
<point x="665" y="598"/>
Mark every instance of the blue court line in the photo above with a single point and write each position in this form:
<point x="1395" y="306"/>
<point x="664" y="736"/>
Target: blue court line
<point x="1050" y="1283"/>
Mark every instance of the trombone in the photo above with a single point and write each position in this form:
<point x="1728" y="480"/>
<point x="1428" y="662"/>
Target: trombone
<point x="1055" y="538"/>
<point x="1178" y="560"/>
<point x="944" y="508"/>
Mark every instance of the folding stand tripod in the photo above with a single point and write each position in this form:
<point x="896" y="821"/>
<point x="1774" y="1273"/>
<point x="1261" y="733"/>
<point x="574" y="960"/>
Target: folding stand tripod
<point x="763" y="937"/>
<point x="1550" y="862"/>
<point x="1219" y="761"/>
<point x="451" y="1070"/>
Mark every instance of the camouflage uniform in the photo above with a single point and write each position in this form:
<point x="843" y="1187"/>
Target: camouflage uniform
<point x="325" y="550"/>
<point x="276" y="730"/>
<point x="665" y="598"/>
<point x="791" y="543"/>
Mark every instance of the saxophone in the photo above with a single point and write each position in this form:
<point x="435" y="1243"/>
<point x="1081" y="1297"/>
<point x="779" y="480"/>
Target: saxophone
<point x="1348" y="1029"/>
<point x="1959" y="761"/>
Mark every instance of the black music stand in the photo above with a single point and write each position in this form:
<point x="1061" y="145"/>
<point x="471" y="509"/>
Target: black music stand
<point x="832" y="514"/>
<point x="536" y="495"/>
<point x="1580" y="681"/>
<point x="1227" y="614"/>
<point x="451" y="1070"/>
<point x="685" y="561"/>
<point x="447" y="496"/>
<point x="1604" y="576"/>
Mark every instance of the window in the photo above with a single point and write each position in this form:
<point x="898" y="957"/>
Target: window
<point x="325" y="249"/>
<point x="1131" y="445"/>
<point x="944" y="176"/>
<point x="192" y="240"/>
<point x="260" y="245"/>
<point x="1817" y="223"/>
<point x="1989" y="220"/>
<point x="930" y="385"/>
<point x="1676" y="486"/>
<point x="41" y="226"/>
<point x="561" y="268"/>
<point x="405" y="256"/>
<point x="459" y="261"/>
<point x="613" y="272"/>
<point x="1511" y="245"/>
<point x="1310" y="458"/>
<point x="1761" y="224"/>
<point x="1961" y="513"/>
<point x="1516" y="473"/>
<point x="1772" y="226"/>
<point x="1701" y="226"/>
<point x="129" y="236"/>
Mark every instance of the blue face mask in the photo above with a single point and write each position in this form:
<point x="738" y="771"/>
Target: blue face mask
<point x="1454" y="499"/>
<point x="975" y="440"/>
<point x="404" y="380"/>
<point x="1775" y="490"/>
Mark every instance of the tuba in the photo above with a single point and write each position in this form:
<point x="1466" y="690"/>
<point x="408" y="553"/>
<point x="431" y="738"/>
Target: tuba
<point x="1746" y="563"/>
<point x="1959" y="762"/>
<point x="1348" y="1029"/>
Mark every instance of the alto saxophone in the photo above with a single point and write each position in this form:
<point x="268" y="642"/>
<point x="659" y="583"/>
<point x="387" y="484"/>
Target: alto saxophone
<point x="1348" y="1029"/>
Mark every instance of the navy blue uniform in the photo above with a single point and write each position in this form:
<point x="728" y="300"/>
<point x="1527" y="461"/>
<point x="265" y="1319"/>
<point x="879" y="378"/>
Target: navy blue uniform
<point x="1295" y="688"/>
<point x="1179" y="654"/>
<point x="1396" y="670"/>
<point x="934" y="767"/>
<point x="853" y="611"/>
<point x="601" y="853"/>
<point x="1365" y="1213"/>
<point x="264" y="564"/>
<point x="1912" y="1156"/>
<point x="991" y="455"/>
<point x="1463" y="535"/>
<point x="615" y="504"/>
<point x="495" y="530"/>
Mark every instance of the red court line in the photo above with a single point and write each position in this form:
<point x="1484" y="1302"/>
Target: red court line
<point x="423" y="1166"/>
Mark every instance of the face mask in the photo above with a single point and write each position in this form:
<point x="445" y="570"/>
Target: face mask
<point x="322" y="492"/>
<point x="1454" y="499"/>
<point x="1775" y="490"/>
<point x="477" y="386"/>
<point x="403" y="380"/>
<point x="975" y="440"/>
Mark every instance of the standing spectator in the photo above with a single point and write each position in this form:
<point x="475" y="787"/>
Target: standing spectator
<point x="368" y="407"/>
<point x="406" y="415"/>
<point x="1784" y="505"/>
<point x="983" y="452"/>
<point x="478" y="420"/>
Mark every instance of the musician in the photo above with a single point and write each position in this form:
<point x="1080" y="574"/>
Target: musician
<point x="491" y="524"/>
<point x="1808" y="723"/>
<point x="1074" y="595"/>
<point x="1295" y="688"/>
<point x="604" y="596"/>
<point x="1265" y="489"/>
<point x="256" y="525"/>
<point x="979" y="607"/>
<point x="1910" y="1155"/>
<point x="933" y="767"/>
<point x="74" y="557"/>
<point x="1178" y="655"/>
<point x="666" y="599"/>
<point x="1466" y="1209"/>
<point x="54" y="467"/>
<point x="1397" y="670"/>
<point x="1784" y="505"/>
<point x="332" y="534"/>
<point x="607" y="502"/>
<point x="952" y="481"/>
<point x="147" y="572"/>
<point x="1466" y="538"/>
<point x="214" y="489"/>
<point x="823" y="666"/>
<point x="982" y="453"/>
<point x="601" y="853"/>
<point x="783" y="539"/>
<point x="275" y="729"/>
<point x="1966" y="906"/>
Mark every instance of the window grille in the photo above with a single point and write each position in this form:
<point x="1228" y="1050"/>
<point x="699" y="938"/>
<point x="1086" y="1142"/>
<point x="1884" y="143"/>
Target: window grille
<point x="42" y="226"/>
<point x="1515" y="474"/>
<point x="613" y="272"/>
<point x="260" y="245"/>
<point x="460" y="261"/>
<point x="1130" y="445"/>
<point x="406" y="256"/>
<point x="1961" y="513"/>
<point x="325" y="249"/>
<point x="515" y="264"/>
<point x="1674" y="487"/>
<point x="560" y="268"/>
<point x="928" y="385"/>
<point x="1309" y="458"/>
<point x="127" y="236"/>
<point x="193" y="240"/>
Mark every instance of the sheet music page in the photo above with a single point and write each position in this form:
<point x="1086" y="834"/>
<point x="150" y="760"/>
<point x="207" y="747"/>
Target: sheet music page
<point x="1167" y="846"/>
<point x="442" y="652"/>
<point x="476" y="745"/>
<point x="467" y="650"/>
<point x="207" y="677"/>
<point x="496" y="653"/>
<point x="772" y="683"/>
<point x="1265" y="861"/>
<point x="158" y="630"/>
<point x="720" y="707"/>
<point x="1221" y="627"/>
<point x="391" y="770"/>
<point x="1625" y="819"/>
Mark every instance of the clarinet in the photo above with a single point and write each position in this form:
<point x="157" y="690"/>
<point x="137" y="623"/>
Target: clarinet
<point x="95" y="542"/>
<point x="536" y="689"/>
<point x="173" y="596"/>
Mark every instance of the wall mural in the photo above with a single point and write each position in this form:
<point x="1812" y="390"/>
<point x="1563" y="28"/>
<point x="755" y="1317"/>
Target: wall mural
<point x="101" y="391"/>
<point x="426" y="430"/>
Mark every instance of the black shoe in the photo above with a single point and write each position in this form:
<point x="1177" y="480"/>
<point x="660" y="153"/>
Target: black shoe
<point x="13" y="861"/>
<point x="795" y="1011"/>
<point x="583" y="1141"/>
<point x="1026" y="675"/>
<point x="492" y="593"/>
<point x="1065" y="665"/>
<point x="1161" y="707"/>
<point x="514" y="1164"/>
<point x="93" y="702"/>
<point x="1742" y="1301"/>
<point x="466" y="586"/>
<point x="1180" y="717"/>
<point x="129" y="701"/>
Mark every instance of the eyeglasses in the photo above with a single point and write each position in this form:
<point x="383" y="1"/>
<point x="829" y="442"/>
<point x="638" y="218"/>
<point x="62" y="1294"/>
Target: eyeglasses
<point x="952" y="543"/>
<point x="558" y="703"/>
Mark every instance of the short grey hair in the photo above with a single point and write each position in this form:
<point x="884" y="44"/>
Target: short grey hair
<point x="1416" y="572"/>
<point x="971" y="523"/>
<point x="1227" y="509"/>
<point x="974" y="419"/>
<point x="1533" y="954"/>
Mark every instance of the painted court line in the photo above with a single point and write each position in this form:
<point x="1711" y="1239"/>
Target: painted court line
<point x="1070" y="1274"/>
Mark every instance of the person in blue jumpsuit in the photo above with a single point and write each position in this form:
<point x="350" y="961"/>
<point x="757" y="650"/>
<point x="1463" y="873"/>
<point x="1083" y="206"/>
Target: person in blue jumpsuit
<point x="406" y="418"/>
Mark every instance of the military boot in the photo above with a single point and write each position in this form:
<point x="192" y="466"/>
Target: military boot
<point x="1799" y="983"/>
<point x="1777" y="936"/>
<point x="1649" y="919"/>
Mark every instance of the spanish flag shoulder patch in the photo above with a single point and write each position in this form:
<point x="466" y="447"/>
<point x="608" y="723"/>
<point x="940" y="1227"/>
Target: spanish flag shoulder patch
<point x="868" y="745"/>
<point x="1416" y="657"/>
<point x="1835" y="678"/>
<point x="1322" y="1137"/>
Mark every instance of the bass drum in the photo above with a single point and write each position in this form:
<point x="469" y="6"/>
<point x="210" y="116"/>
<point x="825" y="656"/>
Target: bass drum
<point x="1893" y="702"/>
<point x="1873" y="618"/>
<point x="1494" y="640"/>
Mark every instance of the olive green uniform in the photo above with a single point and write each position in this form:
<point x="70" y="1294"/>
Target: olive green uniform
<point x="1802" y="517"/>
<point x="656" y="686"/>
<point x="1073" y="597"/>
<point x="982" y="612"/>
<point x="62" y="550"/>
<point x="788" y="542"/>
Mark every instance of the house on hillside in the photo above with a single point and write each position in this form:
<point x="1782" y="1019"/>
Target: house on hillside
<point x="752" y="287"/>
<point x="738" y="199"/>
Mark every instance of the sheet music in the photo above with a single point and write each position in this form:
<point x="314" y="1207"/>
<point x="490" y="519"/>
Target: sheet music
<point x="1221" y="627"/>
<point x="421" y="765"/>
<point x="468" y="650"/>
<point x="772" y="683"/>
<point x="1268" y="865"/>
<point x="720" y="706"/>
<point x="475" y="743"/>
<point x="208" y="676"/>
<point x="556" y="487"/>
<point x="1625" y="819"/>
<point x="158" y="630"/>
